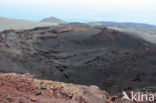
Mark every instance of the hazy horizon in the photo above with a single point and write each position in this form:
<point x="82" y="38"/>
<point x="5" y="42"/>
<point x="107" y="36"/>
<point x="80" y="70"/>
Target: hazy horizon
<point x="137" y="11"/>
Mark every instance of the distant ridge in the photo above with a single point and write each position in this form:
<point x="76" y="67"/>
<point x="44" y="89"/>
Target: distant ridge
<point x="16" y="24"/>
<point x="126" y="25"/>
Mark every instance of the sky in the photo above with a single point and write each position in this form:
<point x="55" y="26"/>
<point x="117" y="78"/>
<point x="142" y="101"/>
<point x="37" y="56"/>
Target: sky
<point x="139" y="11"/>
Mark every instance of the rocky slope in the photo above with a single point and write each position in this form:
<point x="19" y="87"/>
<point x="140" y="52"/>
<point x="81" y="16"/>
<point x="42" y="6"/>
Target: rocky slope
<point x="16" y="88"/>
<point x="24" y="88"/>
<point x="80" y="54"/>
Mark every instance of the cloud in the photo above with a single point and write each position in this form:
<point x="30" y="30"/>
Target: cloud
<point x="138" y="10"/>
<point x="94" y="5"/>
<point x="92" y="2"/>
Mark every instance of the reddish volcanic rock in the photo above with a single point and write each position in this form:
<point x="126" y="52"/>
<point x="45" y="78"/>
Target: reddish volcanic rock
<point x="18" y="88"/>
<point x="107" y="34"/>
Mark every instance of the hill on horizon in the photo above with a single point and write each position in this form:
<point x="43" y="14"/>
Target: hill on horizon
<point x="17" y="24"/>
<point x="53" y="20"/>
